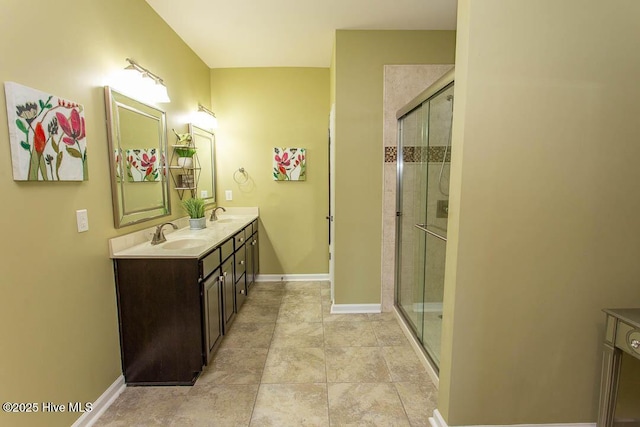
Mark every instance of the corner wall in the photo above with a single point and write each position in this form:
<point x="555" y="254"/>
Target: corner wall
<point x="58" y="308"/>
<point x="543" y="226"/>
<point x="360" y="57"/>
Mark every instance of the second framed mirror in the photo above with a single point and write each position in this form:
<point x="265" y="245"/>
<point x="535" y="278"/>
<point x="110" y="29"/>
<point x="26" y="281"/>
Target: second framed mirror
<point x="204" y="142"/>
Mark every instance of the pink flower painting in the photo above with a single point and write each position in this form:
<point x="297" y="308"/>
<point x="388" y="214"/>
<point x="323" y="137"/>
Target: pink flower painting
<point x="143" y="165"/>
<point x="289" y="164"/>
<point x="47" y="136"/>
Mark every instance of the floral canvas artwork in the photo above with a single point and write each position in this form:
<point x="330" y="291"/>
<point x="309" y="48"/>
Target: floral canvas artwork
<point x="143" y="165"/>
<point x="47" y="136"/>
<point x="289" y="164"/>
<point x="117" y="155"/>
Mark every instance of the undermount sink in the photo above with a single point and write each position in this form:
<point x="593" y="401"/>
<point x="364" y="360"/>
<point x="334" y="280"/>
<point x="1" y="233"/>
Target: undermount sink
<point x="184" y="243"/>
<point x="223" y="220"/>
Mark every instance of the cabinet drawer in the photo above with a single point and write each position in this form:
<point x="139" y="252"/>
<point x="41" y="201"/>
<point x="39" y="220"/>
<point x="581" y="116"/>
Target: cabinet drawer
<point x="241" y="263"/>
<point x="239" y="239"/>
<point x="254" y="227"/>
<point x="226" y="249"/>
<point x="210" y="263"/>
<point x="628" y="339"/>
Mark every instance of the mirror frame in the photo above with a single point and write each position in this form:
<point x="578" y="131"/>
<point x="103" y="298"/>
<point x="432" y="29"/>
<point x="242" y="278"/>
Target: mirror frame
<point x="115" y="100"/>
<point x="197" y="130"/>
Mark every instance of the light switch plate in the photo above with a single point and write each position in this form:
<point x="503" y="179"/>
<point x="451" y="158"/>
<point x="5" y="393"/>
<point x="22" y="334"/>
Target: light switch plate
<point x="228" y="194"/>
<point x="83" y="220"/>
<point x="204" y="194"/>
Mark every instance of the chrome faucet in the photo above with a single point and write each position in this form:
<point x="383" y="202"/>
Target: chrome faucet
<point x="158" y="236"/>
<point x="214" y="216"/>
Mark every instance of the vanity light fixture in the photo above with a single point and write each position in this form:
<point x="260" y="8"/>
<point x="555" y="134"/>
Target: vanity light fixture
<point x="206" y="118"/>
<point x="144" y="83"/>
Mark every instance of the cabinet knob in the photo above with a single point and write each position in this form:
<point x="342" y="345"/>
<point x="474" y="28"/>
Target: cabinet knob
<point x="242" y="262"/>
<point x="635" y="344"/>
<point x="253" y="243"/>
<point x="225" y="274"/>
<point x="242" y="291"/>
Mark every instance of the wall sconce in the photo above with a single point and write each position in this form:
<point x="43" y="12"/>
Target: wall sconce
<point x="206" y="118"/>
<point x="141" y="83"/>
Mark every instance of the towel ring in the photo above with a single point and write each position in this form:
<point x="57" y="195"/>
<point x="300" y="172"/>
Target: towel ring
<point x="243" y="179"/>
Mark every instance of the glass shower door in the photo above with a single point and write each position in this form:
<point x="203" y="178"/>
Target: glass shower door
<point x="412" y="202"/>
<point x="437" y="212"/>
<point x="424" y="160"/>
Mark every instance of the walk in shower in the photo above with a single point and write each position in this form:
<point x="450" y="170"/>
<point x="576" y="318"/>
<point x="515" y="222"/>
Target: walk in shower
<point x="422" y="205"/>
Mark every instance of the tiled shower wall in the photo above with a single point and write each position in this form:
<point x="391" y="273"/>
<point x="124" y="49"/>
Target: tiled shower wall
<point x="402" y="83"/>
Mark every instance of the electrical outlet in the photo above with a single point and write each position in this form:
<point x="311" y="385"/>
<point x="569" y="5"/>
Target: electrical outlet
<point x="82" y="220"/>
<point x="228" y="194"/>
<point x="204" y="194"/>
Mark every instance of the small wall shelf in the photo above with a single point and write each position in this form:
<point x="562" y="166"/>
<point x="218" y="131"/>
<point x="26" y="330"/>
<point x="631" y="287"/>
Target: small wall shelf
<point x="185" y="177"/>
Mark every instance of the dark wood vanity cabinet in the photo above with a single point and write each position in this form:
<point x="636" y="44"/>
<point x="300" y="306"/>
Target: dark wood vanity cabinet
<point x="173" y="313"/>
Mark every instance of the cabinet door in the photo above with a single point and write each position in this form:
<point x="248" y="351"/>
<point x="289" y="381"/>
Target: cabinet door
<point x="256" y="255"/>
<point x="160" y="320"/>
<point x="250" y="275"/>
<point x="212" y="314"/>
<point x="227" y="292"/>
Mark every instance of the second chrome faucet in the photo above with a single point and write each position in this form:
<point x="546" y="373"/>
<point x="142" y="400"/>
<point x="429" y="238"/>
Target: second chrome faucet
<point x="214" y="214"/>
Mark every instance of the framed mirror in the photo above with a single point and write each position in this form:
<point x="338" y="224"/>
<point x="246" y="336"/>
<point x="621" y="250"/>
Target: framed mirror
<point x="137" y="135"/>
<point x="205" y="145"/>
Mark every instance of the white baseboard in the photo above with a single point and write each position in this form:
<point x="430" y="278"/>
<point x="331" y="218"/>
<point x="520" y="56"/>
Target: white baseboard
<point x="355" y="308"/>
<point x="438" y="421"/>
<point x="292" y="277"/>
<point x="101" y="404"/>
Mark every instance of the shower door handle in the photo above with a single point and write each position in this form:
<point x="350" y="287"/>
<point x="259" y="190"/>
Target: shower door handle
<point x="423" y="227"/>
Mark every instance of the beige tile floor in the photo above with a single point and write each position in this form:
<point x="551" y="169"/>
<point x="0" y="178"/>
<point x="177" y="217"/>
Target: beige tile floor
<point x="288" y="362"/>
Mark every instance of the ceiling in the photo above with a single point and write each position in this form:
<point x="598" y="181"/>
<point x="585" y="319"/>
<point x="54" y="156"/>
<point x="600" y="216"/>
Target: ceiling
<point x="290" y="33"/>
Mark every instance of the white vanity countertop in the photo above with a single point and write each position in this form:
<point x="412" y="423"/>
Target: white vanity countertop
<point x="196" y="242"/>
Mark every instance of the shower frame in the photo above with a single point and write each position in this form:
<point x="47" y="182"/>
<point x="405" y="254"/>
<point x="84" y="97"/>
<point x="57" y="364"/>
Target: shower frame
<point x="441" y="85"/>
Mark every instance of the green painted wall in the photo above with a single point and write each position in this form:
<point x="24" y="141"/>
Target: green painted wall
<point x="543" y="225"/>
<point x="58" y="305"/>
<point x="259" y="109"/>
<point x="359" y="60"/>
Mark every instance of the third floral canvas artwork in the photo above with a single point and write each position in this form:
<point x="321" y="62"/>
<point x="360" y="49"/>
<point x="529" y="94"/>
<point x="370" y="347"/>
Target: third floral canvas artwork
<point x="289" y="164"/>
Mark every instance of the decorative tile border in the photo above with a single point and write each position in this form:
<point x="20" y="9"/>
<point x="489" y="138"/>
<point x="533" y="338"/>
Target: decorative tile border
<point x="390" y="154"/>
<point x="417" y="154"/>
